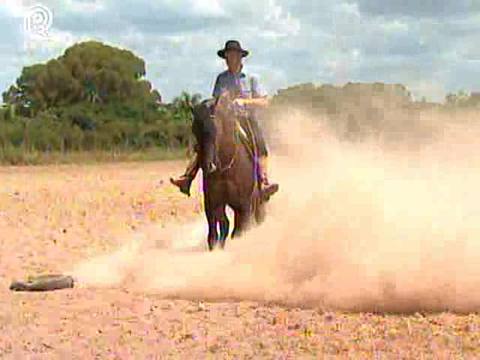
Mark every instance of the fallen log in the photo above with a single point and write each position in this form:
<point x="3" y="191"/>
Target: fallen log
<point x="44" y="283"/>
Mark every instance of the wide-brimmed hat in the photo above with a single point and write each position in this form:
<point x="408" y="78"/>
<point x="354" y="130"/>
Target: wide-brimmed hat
<point x="232" y="45"/>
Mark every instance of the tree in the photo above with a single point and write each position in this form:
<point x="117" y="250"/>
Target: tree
<point x="88" y="71"/>
<point x="460" y="99"/>
<point x="183" y="106"/>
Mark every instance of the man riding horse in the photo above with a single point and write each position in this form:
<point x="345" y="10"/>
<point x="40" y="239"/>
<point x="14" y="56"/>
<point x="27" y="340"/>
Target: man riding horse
<point x="249" y="95"/>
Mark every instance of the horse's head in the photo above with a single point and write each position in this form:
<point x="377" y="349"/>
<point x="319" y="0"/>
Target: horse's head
<point x="203" y="112"/>
<point x="214" y="127"/>
<point x="224" y="105"/>
<point x="226" y="113"/>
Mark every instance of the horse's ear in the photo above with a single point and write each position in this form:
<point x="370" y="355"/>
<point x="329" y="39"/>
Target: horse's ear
<point x="189" y="104"/>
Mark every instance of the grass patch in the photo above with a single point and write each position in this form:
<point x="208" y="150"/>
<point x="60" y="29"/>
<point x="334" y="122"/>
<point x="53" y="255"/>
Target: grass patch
<point x="16" y="156"/>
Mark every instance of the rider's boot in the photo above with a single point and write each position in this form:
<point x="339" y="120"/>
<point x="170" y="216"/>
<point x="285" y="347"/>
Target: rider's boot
<point x="184" y="182"/>
<point x="267" y="189"/>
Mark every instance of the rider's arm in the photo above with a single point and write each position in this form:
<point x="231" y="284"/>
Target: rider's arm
<point x="258" y="101"/>
<point x="217" y="88"/>
<point x="259" y="95"/>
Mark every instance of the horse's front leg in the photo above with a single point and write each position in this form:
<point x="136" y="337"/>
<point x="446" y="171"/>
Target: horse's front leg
<point x="212" y="228"/>
<point x="216" y="217"/>
<point x="224" y="226"/>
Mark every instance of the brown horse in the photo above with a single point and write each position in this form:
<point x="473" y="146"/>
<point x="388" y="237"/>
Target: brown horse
<point x="229" y="170"/>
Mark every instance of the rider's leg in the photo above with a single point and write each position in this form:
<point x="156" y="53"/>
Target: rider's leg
<point x="204" y="130"/>
<point x="267" y="187"/>
<point x="184" y="182"/>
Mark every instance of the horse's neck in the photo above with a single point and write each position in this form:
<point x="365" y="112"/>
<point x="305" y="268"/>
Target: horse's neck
<point x="226" y="141"/>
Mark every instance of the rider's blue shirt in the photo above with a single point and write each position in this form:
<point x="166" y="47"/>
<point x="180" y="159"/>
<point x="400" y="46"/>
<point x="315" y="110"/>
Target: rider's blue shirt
<point x="247" y="86"/>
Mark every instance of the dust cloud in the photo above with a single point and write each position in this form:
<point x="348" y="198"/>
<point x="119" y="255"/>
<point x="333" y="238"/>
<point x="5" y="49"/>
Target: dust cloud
<point x="362" y="226"/>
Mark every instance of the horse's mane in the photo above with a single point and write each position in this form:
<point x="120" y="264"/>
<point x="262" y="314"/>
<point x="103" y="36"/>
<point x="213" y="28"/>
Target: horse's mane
<point x="203" y="126"/>
<point x="202" y="111"/>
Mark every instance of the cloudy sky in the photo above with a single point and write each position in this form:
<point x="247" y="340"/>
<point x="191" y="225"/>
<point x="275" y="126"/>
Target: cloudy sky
<point x="432" y="46"/>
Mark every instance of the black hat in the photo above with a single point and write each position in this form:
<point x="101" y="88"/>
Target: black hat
<point x="232" y="45"/>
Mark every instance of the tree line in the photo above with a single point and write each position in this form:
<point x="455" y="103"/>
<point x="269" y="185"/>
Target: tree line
<point x="356" y="111"/>
<point x="95" y="97"/>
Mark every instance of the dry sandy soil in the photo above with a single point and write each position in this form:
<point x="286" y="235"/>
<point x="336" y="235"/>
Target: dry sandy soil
<point x="52" y="218"/>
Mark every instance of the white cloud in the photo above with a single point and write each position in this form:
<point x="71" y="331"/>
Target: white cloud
<point x="207" y="7"/>
<point x="290" y="41"/>
<point x="14" y="8"/>
<point x="85" y="6"/>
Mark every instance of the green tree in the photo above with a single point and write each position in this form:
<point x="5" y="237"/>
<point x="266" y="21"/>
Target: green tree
<point x="92" y="97"/>
<point x="460" y="99"/>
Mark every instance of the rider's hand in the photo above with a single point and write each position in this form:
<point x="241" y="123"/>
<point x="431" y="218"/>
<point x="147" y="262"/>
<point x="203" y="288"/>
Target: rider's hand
<point x="239" y="101"/>
<point x="261" y="102"/>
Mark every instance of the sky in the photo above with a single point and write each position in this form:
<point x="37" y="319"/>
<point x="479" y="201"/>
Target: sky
<point x="431" y="46"/>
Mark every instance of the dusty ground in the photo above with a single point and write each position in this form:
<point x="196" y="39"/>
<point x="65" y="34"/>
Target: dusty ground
<point x="53" y="217"/>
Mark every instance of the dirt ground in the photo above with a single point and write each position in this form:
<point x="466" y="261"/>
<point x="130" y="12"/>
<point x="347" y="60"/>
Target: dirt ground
<point x="54" y="217"/>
